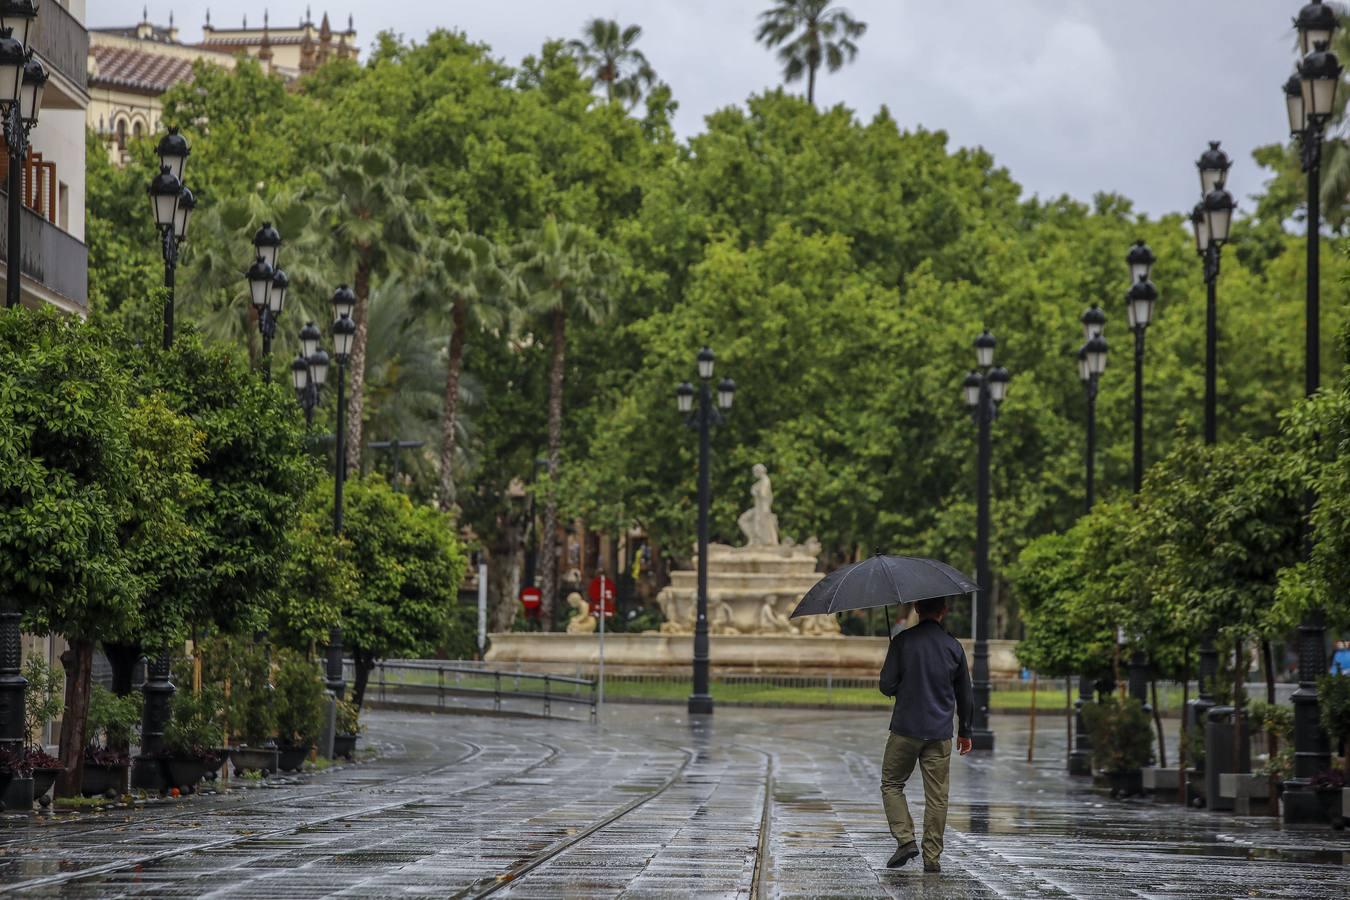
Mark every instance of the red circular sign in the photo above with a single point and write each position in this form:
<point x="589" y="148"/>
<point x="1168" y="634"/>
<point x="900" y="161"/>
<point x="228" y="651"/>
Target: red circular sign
<point x="531" y="597"/>
<point x="602" y="587"/>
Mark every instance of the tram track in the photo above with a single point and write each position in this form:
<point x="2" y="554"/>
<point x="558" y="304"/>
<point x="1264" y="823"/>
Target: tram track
<point x="486" y="887"/>
<point x="150" y="859"/>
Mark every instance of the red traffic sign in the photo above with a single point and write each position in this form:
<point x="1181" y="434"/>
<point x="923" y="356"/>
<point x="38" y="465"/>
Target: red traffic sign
<point x="602" y="588"/>
<point x="531" y="597"/>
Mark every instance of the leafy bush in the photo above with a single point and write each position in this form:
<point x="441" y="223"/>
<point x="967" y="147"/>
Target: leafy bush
<point x="195" y="729"/>
<point x="299" y="699"/>
<point x="1122" y="735"/>
<point x="239" y="668"/>
<point x="1333" y="706"/>
<point x="116" y="719"/>
<point x="348" y="718"/>
<point x="43" y="698"/>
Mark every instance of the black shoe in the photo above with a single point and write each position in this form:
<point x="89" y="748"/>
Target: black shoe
<point x="932" y="867"/>
<point x="903" y="854"/>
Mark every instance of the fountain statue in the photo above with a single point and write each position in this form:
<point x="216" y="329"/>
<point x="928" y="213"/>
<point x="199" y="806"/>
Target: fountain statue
<point x="581" y="622"/>
<point x="751" y="589"/>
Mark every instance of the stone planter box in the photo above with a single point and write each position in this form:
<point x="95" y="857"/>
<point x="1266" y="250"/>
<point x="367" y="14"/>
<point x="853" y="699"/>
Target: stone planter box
<point x="1126" y="784"/>
<point x="1331" y="802"/>
<point x="185" y="772"/>
<point x="1250" y="793"/>
<point x="344" y="746"/>
<point x="18" y="794"/>
<point x="43" y="779"/>
<point x="291" y="758"/>
<point x="1162" y="784"/>
<point x="254" y="759"/>
<point x="97" y="780"/>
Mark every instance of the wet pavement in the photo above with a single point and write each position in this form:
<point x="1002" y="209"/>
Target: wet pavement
<point x="758" y="803"/>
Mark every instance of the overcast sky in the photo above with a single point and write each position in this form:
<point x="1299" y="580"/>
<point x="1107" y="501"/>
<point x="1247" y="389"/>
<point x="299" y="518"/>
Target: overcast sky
<point x="1072" y="96"/>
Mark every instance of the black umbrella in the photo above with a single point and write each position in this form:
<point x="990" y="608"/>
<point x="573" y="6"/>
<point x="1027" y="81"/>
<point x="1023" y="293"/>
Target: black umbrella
<point x="882" y="581"/>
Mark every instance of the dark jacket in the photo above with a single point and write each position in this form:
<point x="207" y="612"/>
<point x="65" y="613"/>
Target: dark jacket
<point x="925" y="671"/>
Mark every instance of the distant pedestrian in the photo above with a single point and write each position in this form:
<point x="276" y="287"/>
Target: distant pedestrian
<point x="926" y="673"/>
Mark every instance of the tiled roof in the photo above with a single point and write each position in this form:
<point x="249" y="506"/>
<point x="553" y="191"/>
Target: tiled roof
<point x="138" y="70"/>
<point x="157" y="34"/>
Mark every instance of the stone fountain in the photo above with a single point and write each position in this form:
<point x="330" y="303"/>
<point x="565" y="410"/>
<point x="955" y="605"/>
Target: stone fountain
<point x="751" y="592"/>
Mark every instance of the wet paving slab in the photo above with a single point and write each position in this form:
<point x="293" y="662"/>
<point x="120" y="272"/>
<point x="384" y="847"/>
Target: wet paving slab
<point x="647" y="804"/>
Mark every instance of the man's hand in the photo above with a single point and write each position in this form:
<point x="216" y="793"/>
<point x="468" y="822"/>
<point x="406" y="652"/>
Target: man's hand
<point x="963" y="745"/>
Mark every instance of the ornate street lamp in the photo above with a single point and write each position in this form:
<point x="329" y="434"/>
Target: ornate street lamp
<point x="18" y="16"/>
<point x="267" y="243"/>
<point x="172" y="203"/>
<point x="1091" y="364"/>
<point x="19" y="81"/>
<point x="1139" y="303"/>
<point x="983" y="390"/>
<point x="1319" y="77"/>
<point x="703" y="419"/>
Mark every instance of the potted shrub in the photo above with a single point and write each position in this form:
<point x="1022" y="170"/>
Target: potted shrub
<point x="43" y="700"/>
<point x="348" y="730"/>
<point x="299" y="705"/>
<point x="1122" y="742"/>
<point x="192" y="737"/>
<point x="118" y="721"/>
<point x="1333" y="705"/>
<point x="250" y="716"/>
<point x="1195" y="771"/>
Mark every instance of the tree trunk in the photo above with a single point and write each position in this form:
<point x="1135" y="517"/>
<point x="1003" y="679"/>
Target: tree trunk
<point x="356" y="367"/>
<point x="504" y="568"/>
<point x="450" y="406"/>
<point x="78" y="662"/>
<point x="811" y="86"/>
<point x="1272" y="739"/>
<point x="362" y="662"/>
<point x="548" y="540"/>
<point x="1157" y="720"/>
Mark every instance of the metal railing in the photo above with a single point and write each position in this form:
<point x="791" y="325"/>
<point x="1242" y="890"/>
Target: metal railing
<point x="445" y="680"/>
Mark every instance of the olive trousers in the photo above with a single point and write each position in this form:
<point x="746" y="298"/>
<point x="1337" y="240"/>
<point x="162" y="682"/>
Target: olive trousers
<point x="897" y="765"/>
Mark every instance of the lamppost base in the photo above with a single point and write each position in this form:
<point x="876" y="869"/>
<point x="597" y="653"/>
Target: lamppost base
<point x="1300" y="804"/>
<point x="147" y="774"/>
<point x="700" y="705"/>
<point x="1080" y="763"/>
<point x="981" y="739"/>
<point x="18" y="796"/>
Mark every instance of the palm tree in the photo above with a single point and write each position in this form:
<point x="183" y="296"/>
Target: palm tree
<point x="610" y="54"/>
<point x="403" y="366"/>
<point x="567" y="273"/>
<point x="369" y="206"/>
<point x="483" y="288"/>
<point x="812" y="33"/>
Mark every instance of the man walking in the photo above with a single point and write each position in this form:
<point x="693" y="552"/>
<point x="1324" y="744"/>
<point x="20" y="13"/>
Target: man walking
<point x="925" y="671"/>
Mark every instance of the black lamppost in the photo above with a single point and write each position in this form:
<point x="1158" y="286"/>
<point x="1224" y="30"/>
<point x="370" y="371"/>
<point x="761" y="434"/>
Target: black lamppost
<point x="703" y="419"/>
<point x="173" y="204"/>
<point x="310" y="370"/>
<point x="1211" y="221"/>
<point x="1310" y="99"/>
<point x="1139" y="308"/>
<point x="983" y="389"/>
<point x="1091" y="365"/>
<point x="22" y="80"/>
<point x="267" y="286"/>
<point x="344" y="334"/>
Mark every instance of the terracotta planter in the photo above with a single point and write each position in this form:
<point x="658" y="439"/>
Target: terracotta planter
<point x="344" y="746"/>
<point x="291" y="757"/>
<point x="253" y="759"/>
<point x="1129" y="783"/>
<point x="185" y="772"/>
<point x="99" y="779"/>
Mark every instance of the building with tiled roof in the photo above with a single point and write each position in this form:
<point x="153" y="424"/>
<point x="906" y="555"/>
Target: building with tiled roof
<point x="131" y="67"/>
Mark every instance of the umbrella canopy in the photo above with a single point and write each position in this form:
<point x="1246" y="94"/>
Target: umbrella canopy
<point x="882" y="581"/>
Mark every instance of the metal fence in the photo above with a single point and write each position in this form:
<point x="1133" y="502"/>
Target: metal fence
<point x="432" y="683"/>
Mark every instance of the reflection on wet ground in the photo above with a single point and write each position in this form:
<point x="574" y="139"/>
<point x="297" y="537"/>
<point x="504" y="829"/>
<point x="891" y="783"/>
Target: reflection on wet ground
<point x="647" y="804"/>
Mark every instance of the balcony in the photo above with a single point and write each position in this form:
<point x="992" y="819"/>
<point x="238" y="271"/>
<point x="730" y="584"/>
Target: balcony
<point x="63" y="44"/>
<point x="56" y="263"/>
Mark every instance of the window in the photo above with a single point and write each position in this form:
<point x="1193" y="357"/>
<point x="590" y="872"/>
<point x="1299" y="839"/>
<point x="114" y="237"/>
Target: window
<point x="63" y="206"/>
